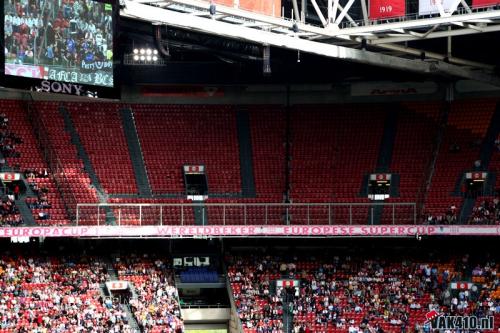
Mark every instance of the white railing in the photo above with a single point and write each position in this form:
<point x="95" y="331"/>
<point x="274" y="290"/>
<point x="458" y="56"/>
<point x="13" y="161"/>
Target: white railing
<point x="246" y="214"/>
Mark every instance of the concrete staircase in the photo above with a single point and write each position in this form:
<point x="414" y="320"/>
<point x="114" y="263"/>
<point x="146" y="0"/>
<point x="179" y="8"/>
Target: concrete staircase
<point x="135" y="151"/>
<point x="246" y="156"/>
<point x="385" y="158"/>
<point x="25" y="211"/>
<point x="200" y="213"/>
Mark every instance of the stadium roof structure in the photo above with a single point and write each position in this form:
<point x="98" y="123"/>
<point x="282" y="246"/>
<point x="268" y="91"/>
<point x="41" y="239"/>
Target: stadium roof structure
<point x="338" y="35"/>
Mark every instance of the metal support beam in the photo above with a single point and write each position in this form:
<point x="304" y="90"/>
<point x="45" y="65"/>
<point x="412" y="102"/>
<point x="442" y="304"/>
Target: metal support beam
<point x="180" y="20"/>
<point x="295" y="10"/>
<point x="334" y="10"/>
<point x="365" y="11"/>
<point x="319" y="13"/>
<point x="344" y="12"/>
<point x="329" y="11"/>
<point x="434" y="55"/>
<point x="483" y="16"/>
<point x="438" y="34"/>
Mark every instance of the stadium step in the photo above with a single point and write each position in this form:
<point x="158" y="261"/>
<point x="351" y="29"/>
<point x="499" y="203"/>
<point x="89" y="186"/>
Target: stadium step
<point x="488" y="145"/>
<point x="82" y="154"/>
<point x="200" y="213"/>
<point x="246" y="157"/>
<point x="466" y="209"/>
<point x="25" y="212"/>
<point x="135" y="151"/>
<point x="288" y="299"/>
<point x="131" y="319"/>
<point x="388" y="139"/>
<point x="385" y="158"/>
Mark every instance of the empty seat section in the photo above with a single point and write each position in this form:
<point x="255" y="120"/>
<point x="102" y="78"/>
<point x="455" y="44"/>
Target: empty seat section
<point x="175" y="135"/>
<point x="333" y="147"/>
<point x="101" y="133"/>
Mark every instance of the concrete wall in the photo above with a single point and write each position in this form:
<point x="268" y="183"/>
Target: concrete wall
<point x="218" y="315"/>
<point x="347" y="92"/>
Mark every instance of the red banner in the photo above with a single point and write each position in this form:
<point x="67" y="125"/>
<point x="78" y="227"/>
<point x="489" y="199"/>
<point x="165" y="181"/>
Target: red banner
<point x="380" y="9"/>
<point x="267" y="7"/>
<point x="485" y="3"/>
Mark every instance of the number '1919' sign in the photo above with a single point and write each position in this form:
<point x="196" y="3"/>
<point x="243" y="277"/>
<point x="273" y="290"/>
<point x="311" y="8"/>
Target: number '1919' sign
<point x="380" y="9"/>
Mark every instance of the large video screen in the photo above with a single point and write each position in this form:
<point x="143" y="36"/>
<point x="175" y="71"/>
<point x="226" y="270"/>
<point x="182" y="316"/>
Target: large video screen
<point x="67" y="41"/>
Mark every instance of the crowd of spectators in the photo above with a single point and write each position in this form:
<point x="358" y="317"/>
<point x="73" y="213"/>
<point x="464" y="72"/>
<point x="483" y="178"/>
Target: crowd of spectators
<point x="251" y="278"/>
<point x="57" y="33"/>
<point x="56" y="294"/>
<point x="343" y="293"/>
<point x="156" y="307"/>
<point x="8" y="140"/>
<point x="449" y="216"/>
<point x="487" y="212"/>
<point x="9" y="213"/>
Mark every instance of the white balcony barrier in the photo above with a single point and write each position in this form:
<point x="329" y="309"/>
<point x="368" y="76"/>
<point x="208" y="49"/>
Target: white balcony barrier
<point x="247" y="214"/>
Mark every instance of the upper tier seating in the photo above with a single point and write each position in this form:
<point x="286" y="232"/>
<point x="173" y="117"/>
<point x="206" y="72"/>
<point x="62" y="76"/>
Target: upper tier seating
<point x="101" y="133"/>
<point x="175" y="135"/>
<point x="333" y="147"/>
<point x="30" y="158"/>
<point x="468" y="122"/>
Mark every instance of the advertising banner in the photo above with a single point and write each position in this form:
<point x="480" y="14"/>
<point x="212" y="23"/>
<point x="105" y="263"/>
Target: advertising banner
<point x="252" y="231"/>
<point x="380" y="9"/>
<point x="427" y="7"/>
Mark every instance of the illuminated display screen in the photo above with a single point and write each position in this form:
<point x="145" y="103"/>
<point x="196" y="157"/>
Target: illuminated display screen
<point x="59" y="40"/>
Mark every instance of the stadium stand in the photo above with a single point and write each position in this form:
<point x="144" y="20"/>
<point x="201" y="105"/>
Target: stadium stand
<point x="343" y="153"/>
<point x="56" y="294"/>
<point x="360" y="293"/>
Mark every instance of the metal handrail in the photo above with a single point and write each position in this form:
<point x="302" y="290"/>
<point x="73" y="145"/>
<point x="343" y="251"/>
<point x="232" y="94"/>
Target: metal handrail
<point x="248" y="213"/>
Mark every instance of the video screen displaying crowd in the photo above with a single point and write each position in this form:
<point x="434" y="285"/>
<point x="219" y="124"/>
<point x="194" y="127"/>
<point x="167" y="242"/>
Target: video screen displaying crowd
<point x="57" y="33"/>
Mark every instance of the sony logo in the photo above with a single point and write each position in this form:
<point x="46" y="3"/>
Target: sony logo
<point x="64" y="88"/>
